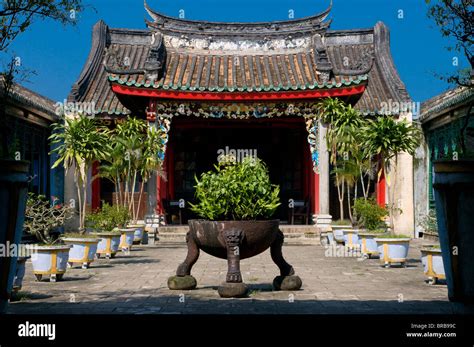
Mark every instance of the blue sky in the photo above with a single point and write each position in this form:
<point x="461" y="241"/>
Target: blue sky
<point x="58" y="53"/>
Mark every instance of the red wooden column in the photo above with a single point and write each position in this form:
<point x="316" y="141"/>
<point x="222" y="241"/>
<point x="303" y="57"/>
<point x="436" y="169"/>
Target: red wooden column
<point x="314" y="192"/>
<point x="381" y="184"/>
<point x="95" y="200"/>
<point x="170" y="169"/>
<point x="311" y="181"/>
<point x="161" y="193"/>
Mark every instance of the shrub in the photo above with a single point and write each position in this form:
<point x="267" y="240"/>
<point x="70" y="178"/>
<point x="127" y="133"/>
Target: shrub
<point x="108" y="218"/>
<point x="42" y="217"/>
<point x="236" y="191"/>
<point x="369" y="214"/>
<point x="429" y="222"/>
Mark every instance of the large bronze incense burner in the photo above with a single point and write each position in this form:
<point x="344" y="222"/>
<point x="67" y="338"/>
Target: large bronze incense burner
<point x="234" y="240"/>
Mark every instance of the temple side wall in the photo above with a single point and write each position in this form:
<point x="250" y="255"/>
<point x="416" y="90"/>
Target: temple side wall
<point x="404" y="222"/>
<point x="421" y="174"/>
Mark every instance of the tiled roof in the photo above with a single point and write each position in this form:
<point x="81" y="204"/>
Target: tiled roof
<point x="319" y="60"/>
<point x="444" y="101"/>
<point x="217" y="73"/>
<point x="27" y="97"/>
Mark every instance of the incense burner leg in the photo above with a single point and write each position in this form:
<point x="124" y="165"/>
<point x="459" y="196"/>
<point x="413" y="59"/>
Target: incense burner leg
<point x="233" y="287"/>
<point x="183" y="279"/>
<point x="287" y="279"/>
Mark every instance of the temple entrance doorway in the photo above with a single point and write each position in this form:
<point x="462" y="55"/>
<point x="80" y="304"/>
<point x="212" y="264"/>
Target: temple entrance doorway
<point x="195" y="145"/>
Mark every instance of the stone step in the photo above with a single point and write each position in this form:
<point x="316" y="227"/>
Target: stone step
<point x="180" y="237"/>
<point x="287" y="229"/>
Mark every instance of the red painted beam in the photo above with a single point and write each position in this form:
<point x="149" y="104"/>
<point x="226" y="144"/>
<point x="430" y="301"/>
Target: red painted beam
<point x="238" y="96"/>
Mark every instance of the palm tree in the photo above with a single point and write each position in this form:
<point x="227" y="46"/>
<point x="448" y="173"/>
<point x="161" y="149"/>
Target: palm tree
<point x="79" y="142"/>
<point x="150" y="162"/>
<point x="344" y="123"/>
<point x="130" y="139"/>
<point x="385" y="138"/>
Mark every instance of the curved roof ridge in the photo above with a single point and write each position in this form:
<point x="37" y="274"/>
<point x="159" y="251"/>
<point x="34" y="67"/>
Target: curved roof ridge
<point x="157" y="16"/>
<point x="99" y="41"/>
<point x="312" y="23"/>
<point x="384" y="57"/>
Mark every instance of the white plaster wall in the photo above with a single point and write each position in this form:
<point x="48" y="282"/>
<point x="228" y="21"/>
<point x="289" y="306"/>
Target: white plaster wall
<point x="404" y="222"/>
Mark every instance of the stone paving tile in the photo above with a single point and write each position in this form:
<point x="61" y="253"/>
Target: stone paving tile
<point x="136" y="284"/>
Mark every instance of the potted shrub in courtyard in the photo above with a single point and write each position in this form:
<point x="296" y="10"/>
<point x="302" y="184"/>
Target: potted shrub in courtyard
<point x="237" y="200"/>
<point x="393" y="249"/>
<point x="134" y="154"/>
<point x="369" y="217"/>
<point x="106" y="223"/>
<point x="432" y="260"/>
<point x="50" y="256"/>
<point x="79" y="141"/>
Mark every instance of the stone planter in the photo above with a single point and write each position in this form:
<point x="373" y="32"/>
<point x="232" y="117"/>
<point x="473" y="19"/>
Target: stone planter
<point x="393" y="251"/>
<point x="126" y="239"/>
<point x="430" y="236"/>
<point x="82" y="252"/>
<point x="13" y="194"/>
<point x="234" y="240"/>
<point x="50" y="260"/>
<point x="327" y="238"/>
<point x="338" y="235"/>
<point x="433" y="267"/>
<point x="351" y="238"/>
<point x="108" y="244"/>
<point x="139" y="231"/>
<point x="368" y="245"/>
<point x="454" y="196"/>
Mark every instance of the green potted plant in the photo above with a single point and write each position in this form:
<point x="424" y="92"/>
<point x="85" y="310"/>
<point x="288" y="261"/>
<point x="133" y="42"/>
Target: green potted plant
<point x="106" y="224"/>
<point x="50" y="256"/>
<point x="369" y="217"/>
<point x="237" y="201"/>
<point x="79" y="142"/>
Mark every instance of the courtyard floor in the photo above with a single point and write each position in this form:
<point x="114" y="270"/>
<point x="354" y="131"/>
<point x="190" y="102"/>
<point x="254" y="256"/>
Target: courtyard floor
<point x="137" y="284"/>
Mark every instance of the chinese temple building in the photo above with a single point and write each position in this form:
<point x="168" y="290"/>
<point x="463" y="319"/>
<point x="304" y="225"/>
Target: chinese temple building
<point x="217" y="87"/>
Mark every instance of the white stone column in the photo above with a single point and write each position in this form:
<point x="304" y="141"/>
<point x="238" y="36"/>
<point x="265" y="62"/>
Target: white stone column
<point x="404" y="222"/>
<point x="323" y="218"/>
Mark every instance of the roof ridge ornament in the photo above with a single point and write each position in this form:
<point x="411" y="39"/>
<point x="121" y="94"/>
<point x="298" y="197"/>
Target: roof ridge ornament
<point x="301" y="26"/>
<point x="116" y="64"/>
